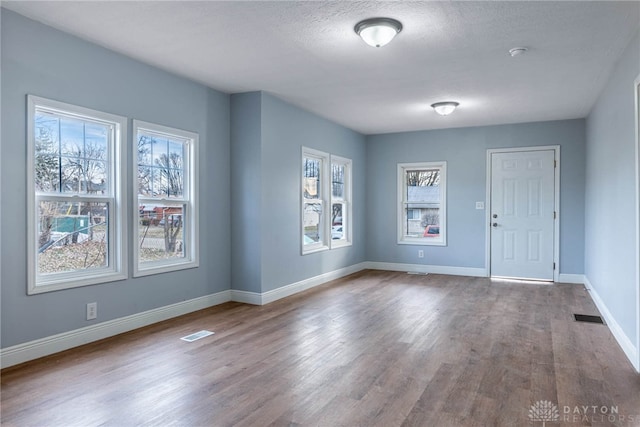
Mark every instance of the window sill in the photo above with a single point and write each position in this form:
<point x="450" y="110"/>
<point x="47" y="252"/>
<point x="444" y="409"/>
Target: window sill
<point x="66" y="283"/>
<point x="164" y="268"/>
<point x="422" y="242"/>
<point x="314" y="250"/>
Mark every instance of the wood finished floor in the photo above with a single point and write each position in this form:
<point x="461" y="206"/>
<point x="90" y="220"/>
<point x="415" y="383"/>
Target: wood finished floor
<point x="373" y="349"/>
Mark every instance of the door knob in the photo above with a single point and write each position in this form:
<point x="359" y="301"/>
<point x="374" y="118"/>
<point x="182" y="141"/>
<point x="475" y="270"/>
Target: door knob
<point x="495" y="215"/>
<point x="495" y="224"/>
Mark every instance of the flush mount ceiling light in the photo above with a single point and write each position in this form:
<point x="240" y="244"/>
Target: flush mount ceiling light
<point x="445" y="108"/>
<point x="517" y="51"/>
<point x="378" y="32"/>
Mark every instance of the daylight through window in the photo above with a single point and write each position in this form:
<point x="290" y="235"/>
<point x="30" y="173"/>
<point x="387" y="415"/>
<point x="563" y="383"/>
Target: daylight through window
<point x="76" y="203"/>
<point x="167" y="220"/>
<point x="422" y="203"/>
<point x="326" y="201"/>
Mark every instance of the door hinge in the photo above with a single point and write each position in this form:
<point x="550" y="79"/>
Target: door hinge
<point x="554" y="214"/>
<point x="554" y="266"/>
<point x="555" y="164"/>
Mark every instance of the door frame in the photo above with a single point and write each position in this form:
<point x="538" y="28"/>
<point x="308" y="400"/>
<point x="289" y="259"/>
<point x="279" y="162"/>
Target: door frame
<point x="636" y="90"/>
<point x="556" y="222"/>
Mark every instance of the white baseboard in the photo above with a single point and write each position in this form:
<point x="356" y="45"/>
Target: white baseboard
<point x="253" y="298"/>
<point x="31" y="350"/>
<point x="256" y="298"/>
<point x="423" y="268"/>
<point x="53" y="344"/>
<point x="623" y="340"/>
<point x="309" y="283"/>
<point x="49" y="345"/>
<point x="577" y="279"/>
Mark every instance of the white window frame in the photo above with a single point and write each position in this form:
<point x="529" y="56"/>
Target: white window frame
<point x="117" y="249"/>
<point x="323" y="200"/>
<point x="191" y="225"/>
<point x="346" y="201"/>
<point x="403" y="238"/>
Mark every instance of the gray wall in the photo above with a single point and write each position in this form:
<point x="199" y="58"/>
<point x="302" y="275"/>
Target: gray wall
<point x="267" y="139"/>
<point x="39" y="60"/>
<point x="610" y="251"/>
<point x="246" y="188"/>
<point x="465" y="151"/>
<point x="250" y="148"/>
<point x="285" y="129"/>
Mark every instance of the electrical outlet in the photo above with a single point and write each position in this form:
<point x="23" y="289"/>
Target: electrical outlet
<point x="420" y="253"/>
<point x="479" y="205"/>
<point x="92" y="310"/>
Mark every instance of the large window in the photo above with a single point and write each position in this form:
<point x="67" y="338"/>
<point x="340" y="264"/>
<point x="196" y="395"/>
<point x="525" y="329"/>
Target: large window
<point x="315" y="166"/>
<point x="166" y="204"/>
<point x="340" y="201"/>
<point x="76" y="204"/>
<point x="326" y="201"/>
<point x="422" y="203"/>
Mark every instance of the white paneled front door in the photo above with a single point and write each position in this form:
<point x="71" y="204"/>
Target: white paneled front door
<point x="522" y="214"/>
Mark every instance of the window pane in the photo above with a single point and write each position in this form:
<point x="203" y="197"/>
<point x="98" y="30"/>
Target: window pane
<point x="311" y="222"/>
<point x="71" y="155"/>
<point x="337" y="221"/>
<point x="311" y="175"/>
<point x="161" y="232"/>
<point x="71" y="137"/>
<point x="72" y="236"/>
<point x="94" y="178"/>
<point x="337" y="181"/>
<point x="423" y="186"/>
<point x="145" y="181"/>
<point x="145" y="144"/>
<point x="163" y="162"/>
<point x="47" y="132"/>
<point x="96" y="139"/>
<point x="422" y="222"/>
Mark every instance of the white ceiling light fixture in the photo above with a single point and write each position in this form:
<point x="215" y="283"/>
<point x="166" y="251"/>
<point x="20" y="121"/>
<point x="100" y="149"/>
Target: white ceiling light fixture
<point x="445" y="108"/>
<point x="377" y="32"/>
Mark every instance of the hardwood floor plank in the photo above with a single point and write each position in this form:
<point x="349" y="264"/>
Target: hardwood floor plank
<point x="376" y="348"/>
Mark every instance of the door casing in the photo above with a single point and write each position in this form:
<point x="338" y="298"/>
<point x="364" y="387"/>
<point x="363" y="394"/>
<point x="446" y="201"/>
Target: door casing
<point x="556" y="224"/>
<point x="636" y="89"/>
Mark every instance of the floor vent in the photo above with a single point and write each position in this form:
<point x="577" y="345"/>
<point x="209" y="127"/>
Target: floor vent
<point x="417" y="273"/>
<point x="588" y="318"/>
<point x="196" y="336"/>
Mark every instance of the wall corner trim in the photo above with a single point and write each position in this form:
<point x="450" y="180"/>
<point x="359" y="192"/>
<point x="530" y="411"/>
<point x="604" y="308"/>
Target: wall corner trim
<point x="623" y="340"/>
<point x="46" y="346"/>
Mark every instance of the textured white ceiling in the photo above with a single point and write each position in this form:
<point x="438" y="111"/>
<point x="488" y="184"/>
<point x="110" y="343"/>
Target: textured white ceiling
<point x="308" y="54"/>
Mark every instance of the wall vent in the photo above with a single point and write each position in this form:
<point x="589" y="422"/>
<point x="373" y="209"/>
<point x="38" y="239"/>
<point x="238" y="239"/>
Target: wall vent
<point x="588" y="318"/>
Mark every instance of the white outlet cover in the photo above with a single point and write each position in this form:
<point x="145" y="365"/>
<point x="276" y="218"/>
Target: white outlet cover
<point x="479" y="205"/>
<point x="92" y="310"/>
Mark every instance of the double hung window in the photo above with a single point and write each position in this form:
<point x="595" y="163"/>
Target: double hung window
<point x="326" y="201"/>
<point x="422" y="203"/>
<point x="75" y="189"/>
<point x="166" y="209"/>
<point x="340" y="201"/>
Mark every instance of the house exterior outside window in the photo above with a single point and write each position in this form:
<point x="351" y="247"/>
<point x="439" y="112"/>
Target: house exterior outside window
<point x="76" y="203"/>
<point x="325" y="201"/>
<point x="422" y="203"/>
<point x="166" y="226"/>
